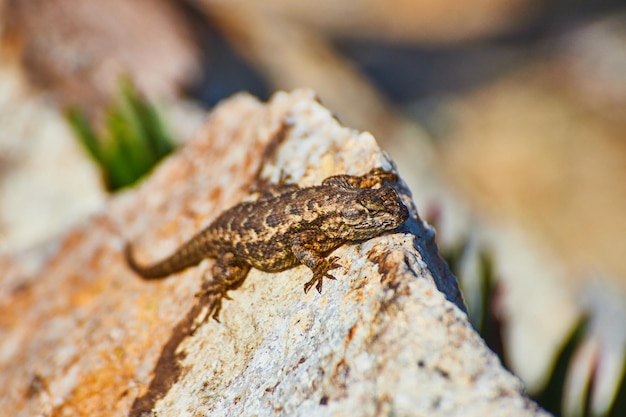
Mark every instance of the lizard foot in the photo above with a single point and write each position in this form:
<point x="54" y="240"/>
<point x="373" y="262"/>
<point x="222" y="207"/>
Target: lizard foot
<point x="217" y="307"/>
<point x="213" y="296"/>
<point x="376" y="176"/>
<point x="320" y="273"/>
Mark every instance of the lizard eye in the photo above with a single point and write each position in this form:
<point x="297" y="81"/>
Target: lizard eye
<point x="373" y="205"/>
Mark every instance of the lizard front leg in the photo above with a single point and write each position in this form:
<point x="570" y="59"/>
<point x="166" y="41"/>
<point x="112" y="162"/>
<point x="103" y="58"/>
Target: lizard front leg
<point x="307" y="249"/>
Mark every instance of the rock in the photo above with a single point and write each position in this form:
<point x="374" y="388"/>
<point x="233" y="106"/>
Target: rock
<point x="47" y="181"/>
<point x="398" y="21"/>
<point x="80" y="334"/>
<point x="77" y="50"/>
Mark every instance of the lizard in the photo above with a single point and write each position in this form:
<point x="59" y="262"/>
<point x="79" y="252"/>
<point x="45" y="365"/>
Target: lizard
<point x="285" y="227"/>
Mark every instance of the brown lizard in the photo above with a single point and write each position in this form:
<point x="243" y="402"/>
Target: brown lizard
<point x="284" y="229"/>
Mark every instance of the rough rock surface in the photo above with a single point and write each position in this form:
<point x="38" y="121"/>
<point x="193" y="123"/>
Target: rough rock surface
<point x="81" y="335"/>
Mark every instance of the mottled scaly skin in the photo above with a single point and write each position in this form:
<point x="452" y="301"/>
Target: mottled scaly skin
<point x="285" y="229"/>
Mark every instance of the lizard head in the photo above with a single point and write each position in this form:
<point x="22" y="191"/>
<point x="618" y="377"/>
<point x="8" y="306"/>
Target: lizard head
<point x="370" y="213"/>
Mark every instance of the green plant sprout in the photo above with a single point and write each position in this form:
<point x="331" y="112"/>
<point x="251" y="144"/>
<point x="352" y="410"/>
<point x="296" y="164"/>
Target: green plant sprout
<point x="132" y="141"/>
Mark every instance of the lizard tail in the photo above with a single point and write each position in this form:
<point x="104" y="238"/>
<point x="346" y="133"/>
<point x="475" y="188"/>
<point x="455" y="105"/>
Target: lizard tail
<point x="187" y="256"/>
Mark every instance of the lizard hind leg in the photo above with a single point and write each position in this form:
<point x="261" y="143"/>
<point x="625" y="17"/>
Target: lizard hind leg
<point x="228" y="273"/>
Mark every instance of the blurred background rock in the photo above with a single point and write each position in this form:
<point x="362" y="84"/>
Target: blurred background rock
<point x="506" y="118"/>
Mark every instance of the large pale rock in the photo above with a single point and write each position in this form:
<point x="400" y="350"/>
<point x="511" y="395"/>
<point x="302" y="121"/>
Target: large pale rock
<point x="81" y="335"/>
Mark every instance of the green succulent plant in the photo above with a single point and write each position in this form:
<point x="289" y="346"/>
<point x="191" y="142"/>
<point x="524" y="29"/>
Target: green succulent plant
<point x="132" y="141"/>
